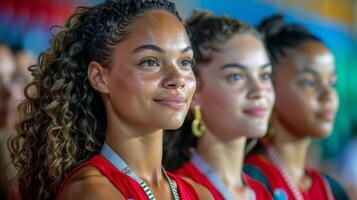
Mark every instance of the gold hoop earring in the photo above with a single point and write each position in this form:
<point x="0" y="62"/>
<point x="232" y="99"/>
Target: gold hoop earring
<point x="196" y="125"/>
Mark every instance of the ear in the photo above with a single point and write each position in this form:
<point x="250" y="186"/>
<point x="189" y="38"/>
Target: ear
<point x="96" y="76"/>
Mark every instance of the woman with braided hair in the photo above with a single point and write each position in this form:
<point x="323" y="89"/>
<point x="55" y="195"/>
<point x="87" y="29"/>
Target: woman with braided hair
<point x="232" y="102"/>
<point x="114" y="77"/>
<point x="305" y="108"/>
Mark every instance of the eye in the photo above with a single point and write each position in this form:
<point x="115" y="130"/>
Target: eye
<point x="308" y="83"/>
<point x="235" y="77"/>
<point x="151" y="62"/>
<point x="266" y="76"/>
<point x="187" y="63"/>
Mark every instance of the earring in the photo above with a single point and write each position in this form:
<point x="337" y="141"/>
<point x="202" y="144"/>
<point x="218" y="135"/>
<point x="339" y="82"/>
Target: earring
<point x="270" y="133"/>
<point x="196" y="126"/>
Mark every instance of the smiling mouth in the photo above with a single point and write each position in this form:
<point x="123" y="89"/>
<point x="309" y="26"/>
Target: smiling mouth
<point x="256" y="112"/>
<point x="326" y="116"/>
<point x="172" y="102"/>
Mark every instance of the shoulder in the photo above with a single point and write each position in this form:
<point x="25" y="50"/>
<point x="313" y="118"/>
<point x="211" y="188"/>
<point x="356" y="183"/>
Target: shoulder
<point x="202" y="192"/>
<point x="88" y="183"/>
<point x="337" y="189"/>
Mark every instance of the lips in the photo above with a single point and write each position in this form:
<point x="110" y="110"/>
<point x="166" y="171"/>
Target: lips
<point x="256" y="111"/>
<point x="326" y="116"/>
<point x="171" y="101"/>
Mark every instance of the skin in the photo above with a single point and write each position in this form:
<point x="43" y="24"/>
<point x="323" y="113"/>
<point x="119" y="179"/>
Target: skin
<point x="234" y="84"/>
<point x="158" y="84"/>
<point x="8" y="90"/>
<point x="306" y="104"/>
<point x="24" y="60"/>
<point x="7" y="64"/>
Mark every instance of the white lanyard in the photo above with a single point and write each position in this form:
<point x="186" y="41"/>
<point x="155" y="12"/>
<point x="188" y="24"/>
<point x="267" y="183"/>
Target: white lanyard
<point x="119" y="163"/>
<point x="204" y="168"/>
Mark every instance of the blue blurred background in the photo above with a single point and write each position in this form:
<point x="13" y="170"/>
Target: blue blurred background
<point x="25" y="24"/>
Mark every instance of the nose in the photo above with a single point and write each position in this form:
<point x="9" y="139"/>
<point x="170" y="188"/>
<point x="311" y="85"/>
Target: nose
<point x="328" y="93"/>
<point x="256" y="88"/>
<point x="174" y="78"/>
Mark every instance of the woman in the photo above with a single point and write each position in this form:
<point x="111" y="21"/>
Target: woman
<point x="115" y="76"/>
<point x="305" y="108"/>
<point x="232" y="102"/>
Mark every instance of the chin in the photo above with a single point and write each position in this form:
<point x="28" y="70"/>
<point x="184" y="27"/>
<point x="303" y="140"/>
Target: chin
<point x="172" y="125"/>
<point x="321" y="132"/>
<point x="255" y="132"/>
<point x="322" y="135"/>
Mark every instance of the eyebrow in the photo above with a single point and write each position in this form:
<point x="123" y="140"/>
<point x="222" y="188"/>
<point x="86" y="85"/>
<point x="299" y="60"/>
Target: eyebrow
<point x="148" y="47"/>
<point x="311" y="71"/>
<point x="236" y="65"/>
<point x="188" y="48"/>
<point x="157" y="48"/>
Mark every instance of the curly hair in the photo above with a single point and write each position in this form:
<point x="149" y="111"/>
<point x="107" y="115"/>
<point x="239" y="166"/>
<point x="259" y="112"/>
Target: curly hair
<point x="63" y="118"/>
<point x="208" y="33"/>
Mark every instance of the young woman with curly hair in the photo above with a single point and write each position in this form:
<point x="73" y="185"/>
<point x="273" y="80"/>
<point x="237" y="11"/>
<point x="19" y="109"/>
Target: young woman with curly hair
<point x="305" y="108"/>
<point x="233" y="101"/>
<point x="114" y="77"/>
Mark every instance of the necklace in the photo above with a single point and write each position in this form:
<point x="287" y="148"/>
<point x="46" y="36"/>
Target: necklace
<point x="205" y="169"/>
<point x="119" y="163"/>
<point x="276" y="159"/>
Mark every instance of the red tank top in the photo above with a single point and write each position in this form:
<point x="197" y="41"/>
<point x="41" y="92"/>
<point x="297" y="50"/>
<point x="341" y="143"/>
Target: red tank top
<point x="191" y="171"/>
<point x="125" y="184"/>
<point x="319" y="188"/>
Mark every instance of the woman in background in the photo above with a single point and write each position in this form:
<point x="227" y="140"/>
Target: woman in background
<point x="305" y="108"/>
<point x="233" y="101"/>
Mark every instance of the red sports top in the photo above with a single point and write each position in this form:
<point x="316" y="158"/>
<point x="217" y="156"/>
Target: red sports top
<point x="125" y="184"/>
<point x="318" y="190"/>
<point x="191" y="171"/>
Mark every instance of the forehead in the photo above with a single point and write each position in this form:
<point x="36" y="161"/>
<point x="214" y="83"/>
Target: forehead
<point x="244" y="49"/>
<point x="313" y="55"/>
<point x="158" y="26"/>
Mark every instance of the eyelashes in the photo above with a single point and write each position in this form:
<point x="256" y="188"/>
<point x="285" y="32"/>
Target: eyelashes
<point x="153" y="62"/>
<point x="149" y="62"/>
<point x="239" y="77"/>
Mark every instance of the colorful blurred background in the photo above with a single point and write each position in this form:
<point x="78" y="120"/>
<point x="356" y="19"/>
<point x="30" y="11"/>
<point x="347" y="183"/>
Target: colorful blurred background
<point x="25" y="27"/>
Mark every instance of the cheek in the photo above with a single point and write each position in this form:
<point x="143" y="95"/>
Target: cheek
<point x="290" y="96"/>
<point x="131" y="90"/>
<point x="221" y="98"/>
<point x="270" y="96"/>
<point x="190" y="85"/>
<point x="220" y="107"/>
<point x="336" y="100"/>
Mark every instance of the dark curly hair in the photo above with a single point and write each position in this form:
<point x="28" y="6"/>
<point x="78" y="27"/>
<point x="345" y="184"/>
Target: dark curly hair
<point x="63" y="118"/>
<point x="209" y="33"/>
<point x="279" y="36"/>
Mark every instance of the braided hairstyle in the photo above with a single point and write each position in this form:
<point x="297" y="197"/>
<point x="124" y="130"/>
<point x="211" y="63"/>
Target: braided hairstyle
<point x="279" y="36"/>
<point x="63" y="118"/>
<point x="208" y="34"/>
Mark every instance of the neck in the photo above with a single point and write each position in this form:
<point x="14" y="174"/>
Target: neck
<point x="224" y="157"/>
<point x="140" y="148"/>
<point x="287" y="143"/>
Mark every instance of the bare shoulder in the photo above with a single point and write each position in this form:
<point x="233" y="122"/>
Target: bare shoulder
<point x="202" y="192"/>
<point x="88" y="183"/>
